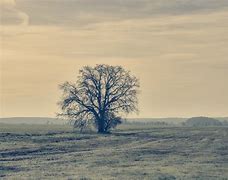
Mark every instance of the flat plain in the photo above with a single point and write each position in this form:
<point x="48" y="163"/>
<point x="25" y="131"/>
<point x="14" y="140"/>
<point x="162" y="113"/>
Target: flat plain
<point x="129" y="152"/>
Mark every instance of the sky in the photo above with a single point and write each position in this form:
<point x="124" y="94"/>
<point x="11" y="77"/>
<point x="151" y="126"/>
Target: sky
<point x="177" y="48"/>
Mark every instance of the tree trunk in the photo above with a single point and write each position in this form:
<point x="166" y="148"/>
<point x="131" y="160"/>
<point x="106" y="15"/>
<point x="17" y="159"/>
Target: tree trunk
<point x="101" y="128"/>
<point x="101" y="122"/>
<point x="101" y="131"/>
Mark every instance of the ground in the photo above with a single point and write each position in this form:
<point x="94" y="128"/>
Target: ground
<point x="130" y="152"/>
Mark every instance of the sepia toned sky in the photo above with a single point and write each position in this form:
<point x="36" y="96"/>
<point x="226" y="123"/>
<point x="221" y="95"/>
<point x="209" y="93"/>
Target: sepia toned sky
<point x="178" y="49"/>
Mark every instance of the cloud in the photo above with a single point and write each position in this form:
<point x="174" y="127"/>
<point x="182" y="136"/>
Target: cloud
<point x="178" y="49"/>
<point x="11" y="15"/>
<point x="7" y="3"/>
<point x="78" y="13"/>
<point x="174" y="37"/>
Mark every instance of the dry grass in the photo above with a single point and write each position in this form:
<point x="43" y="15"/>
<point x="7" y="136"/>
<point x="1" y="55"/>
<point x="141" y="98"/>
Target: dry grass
<point x="48" y="152"/>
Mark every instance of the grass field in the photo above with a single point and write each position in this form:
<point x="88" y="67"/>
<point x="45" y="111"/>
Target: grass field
<point x="130" y="152"/>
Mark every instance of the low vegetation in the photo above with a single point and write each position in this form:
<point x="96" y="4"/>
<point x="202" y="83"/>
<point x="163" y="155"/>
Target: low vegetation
<point x="130" y="152"/>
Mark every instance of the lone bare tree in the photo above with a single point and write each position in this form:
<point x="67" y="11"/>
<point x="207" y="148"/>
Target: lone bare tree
<point x="100" y="95"/>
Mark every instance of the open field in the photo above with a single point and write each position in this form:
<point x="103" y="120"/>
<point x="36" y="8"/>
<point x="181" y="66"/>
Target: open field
<point x="130" y="152"/>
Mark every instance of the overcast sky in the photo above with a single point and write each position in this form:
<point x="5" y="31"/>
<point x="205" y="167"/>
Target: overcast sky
<point x="178" y="49"/>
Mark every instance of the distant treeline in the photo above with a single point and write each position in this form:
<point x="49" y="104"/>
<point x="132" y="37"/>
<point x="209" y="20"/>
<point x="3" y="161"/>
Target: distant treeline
<point x="151" y="123"/>
<point x="204" y="121"/>
<point x="191" y="122"/>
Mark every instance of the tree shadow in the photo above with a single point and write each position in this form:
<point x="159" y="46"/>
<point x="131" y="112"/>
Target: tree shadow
<point x="123" y="134"/>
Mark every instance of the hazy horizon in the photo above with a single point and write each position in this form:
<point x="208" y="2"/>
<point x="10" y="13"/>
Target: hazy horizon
<point x="54" y="117"/>
<point x="177" y="48"/>
<point x="55" y="120"/>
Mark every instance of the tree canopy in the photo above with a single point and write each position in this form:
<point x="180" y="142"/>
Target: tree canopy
<point x="100" y="96"/>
